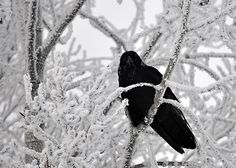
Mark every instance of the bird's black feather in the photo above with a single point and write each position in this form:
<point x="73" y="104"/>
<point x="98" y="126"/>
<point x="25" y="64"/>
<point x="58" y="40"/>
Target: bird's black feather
<point x="169" y="122"/>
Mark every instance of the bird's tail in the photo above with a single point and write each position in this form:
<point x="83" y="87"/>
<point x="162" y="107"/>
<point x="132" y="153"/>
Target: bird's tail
<point x="172" y="126"/>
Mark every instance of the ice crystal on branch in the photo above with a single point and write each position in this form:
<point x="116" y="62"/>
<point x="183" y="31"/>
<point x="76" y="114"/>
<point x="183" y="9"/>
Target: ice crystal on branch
<point x="76" y="95"/>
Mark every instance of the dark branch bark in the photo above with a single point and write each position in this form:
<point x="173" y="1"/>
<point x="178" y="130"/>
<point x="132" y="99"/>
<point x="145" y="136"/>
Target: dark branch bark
<point x="37" y="54"/>
<point x="152" y="42"/>
<point x="31" y="46"/>
<point x="42" y="52"/>
<point x="35" y="40"/>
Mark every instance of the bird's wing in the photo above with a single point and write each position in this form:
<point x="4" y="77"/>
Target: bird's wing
<point x="156" y="79"/>
<point x="169" y="122"/>
<point x="154" y="75"/>
<point x="171" y="125"/>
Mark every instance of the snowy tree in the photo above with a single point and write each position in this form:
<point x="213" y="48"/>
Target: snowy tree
<point x="60" y="105"/>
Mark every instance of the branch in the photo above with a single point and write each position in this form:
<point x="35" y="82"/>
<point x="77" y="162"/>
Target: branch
<point x="112" y="97"/>
<point x="31" y="45"/>
<point x="50" y="42"/>
<point x="218" y="85"/>
<point x="144" y="33"/>
<point x="34" y="41"/>
<point x="104" y="29"/>
<point x="192" y="62"/>
<point x="172" y="164"/>
<point x="160" y="92"/>
<point x="48" y="27"/>
<point x="201" y="130"/>
<point x="151" y="43"/>
<point x="39" y="133"/>
<point x="212" y="19"/>
<point x="209" y="55"/>
<point x="32" y="153"/>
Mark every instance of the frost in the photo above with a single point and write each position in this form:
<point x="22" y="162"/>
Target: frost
<point x="70" y="99"/>
<point x="28" y="88"/>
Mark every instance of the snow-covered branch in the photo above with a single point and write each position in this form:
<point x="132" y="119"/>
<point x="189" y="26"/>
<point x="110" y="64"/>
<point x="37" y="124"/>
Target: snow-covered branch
<point x="213" y="18"/>
<point x="104" y="29"/>
<point x="32" y="22"/>
<point x="172" y="164"/>
<point x="118" y="92"/>
<point x="153" y="40"/>
<point x="76" y="114"/>
<point x="218" y="85"/>
<point x="209" y="142"/>
<point x="50" y="42"/>
<point x="160" y="92"/>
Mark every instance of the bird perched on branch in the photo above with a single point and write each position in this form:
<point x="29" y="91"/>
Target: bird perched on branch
<point x="169" y="122"/>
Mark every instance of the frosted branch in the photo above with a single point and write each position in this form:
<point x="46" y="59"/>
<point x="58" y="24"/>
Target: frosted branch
<point x="214" y="18"/>
<point x="50" y="30"/>
<point x="160" y="92"/>
<point x="172" y="164"/>
<point x="192" y="62"/>
<point x="172" y="62"/>
<point x="153" y="40"/>
<point x="130" y="147"/>
<point x="41" y="134"/>
<point x="218" y="85"/>
<point x="50" y="42"/>
<point x="208" y="55"/>
<point x="104" y="29"/>
<point x="201" y="130"/>
<point x="118" y="92"/>
<point x="145" y="33"/>
<point x="32" y="153"/>
<point x="77" y="117"/>
<point x="31" y="43"/>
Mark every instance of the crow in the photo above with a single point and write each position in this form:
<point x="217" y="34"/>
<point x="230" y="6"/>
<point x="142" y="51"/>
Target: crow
<point x="169" y="122"/>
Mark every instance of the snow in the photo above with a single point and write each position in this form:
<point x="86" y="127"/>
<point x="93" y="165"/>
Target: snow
<point x="78" y="98"/>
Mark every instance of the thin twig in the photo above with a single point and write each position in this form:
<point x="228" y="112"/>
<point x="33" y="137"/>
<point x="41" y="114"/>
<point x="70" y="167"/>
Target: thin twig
<point x="212" y="19"/>
<point x="50" y="42"/>
<point x="151" y="43"/>
<point x="208" y="55"/>
<point x="129" y="150"/>
<point x="201" y="130"/>
<point x="102" y="27"/>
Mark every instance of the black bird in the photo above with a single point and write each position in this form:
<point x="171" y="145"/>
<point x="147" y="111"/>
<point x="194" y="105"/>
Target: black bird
<point x="169" y="122"/>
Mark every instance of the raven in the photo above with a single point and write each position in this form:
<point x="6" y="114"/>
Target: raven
<point x="169" y="122"/>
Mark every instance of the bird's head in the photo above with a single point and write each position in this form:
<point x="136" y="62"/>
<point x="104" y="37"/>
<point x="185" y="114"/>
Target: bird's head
<point x="130" y="60"/>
